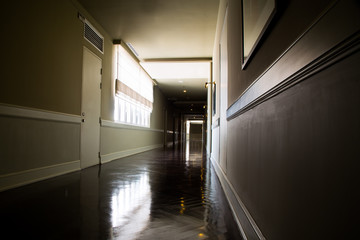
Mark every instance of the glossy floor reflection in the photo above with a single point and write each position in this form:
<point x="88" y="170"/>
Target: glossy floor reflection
<point x="161" y="194"/>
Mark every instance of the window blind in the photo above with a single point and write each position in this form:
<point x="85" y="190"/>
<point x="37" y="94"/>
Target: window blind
<point x="132" y="80"/>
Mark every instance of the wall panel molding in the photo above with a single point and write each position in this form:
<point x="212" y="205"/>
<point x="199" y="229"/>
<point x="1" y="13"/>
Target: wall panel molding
<point x="18" y="179"/>
<point x="317" y="48"/>
<point x="121" y="154"/>
<point x="111" y="124"/>
<point x="49" y="140"/>
<point x="246" y="224"/>
<point x="22" y="112"/>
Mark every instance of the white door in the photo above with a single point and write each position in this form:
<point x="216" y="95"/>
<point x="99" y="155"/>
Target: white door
<point x="90" y="109"/>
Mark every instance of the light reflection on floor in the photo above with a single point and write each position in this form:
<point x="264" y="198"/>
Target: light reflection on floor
<point x="170" y="193"/>
<point x="130" y="206"/>
<point x="193" y="152"/>
<point x="187" y="152"/>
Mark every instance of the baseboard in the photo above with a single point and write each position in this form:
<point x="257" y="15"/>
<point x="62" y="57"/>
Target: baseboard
<point x="18" y="179"/>
<point x="116" y="155"/>
<point x="246" y="224"/>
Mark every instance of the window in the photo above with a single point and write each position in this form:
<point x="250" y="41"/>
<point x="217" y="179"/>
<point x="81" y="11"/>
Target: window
<point x="134" y="91"/>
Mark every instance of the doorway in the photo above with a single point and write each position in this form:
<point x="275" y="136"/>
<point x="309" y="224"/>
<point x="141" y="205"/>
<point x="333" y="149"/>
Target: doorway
<point x="90" y="109"/>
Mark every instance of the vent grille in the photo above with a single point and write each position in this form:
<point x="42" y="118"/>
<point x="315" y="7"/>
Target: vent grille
<point x="93" y="36"/>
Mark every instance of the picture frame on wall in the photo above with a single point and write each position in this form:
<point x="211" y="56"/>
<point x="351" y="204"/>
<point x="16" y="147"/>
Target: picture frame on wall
<point x="256" y="17"/>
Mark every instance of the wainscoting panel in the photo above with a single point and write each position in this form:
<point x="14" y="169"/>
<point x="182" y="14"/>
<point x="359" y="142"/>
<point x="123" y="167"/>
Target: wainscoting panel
<point x="121" y="140"/>
<point x="317" y="48"/>
<point x="116" y="155"/>
<point x="293" y="136"/>
<point x="36" y="145"/>
<point x="33" y="175"/>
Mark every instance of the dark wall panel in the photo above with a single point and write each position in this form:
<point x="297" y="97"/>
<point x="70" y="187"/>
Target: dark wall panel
<point x="294" y="157"/>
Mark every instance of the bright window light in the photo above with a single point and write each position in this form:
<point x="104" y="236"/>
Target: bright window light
<point x="134" y="91"/>
<point x="170" y="70"/>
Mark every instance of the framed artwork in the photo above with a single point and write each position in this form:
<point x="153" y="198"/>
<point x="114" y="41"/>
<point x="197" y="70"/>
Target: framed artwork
<point x="257" y="14"/>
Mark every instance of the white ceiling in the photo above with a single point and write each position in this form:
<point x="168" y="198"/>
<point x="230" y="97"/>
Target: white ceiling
<point x="162" y="30"/>
<point x="177" y="70"/>
<point x="183" y="81"/>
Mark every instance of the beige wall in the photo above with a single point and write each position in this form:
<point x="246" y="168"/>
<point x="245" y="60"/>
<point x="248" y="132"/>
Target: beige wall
<point x="115" y="140"/>
<point x="43" y="55"/>
<point x="158" y="113"/>
<point x="40" y="93"/>
<point x="36" y="143"/>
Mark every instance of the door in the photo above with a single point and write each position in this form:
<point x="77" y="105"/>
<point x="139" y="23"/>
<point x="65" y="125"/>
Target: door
<point x="90" y="109"/>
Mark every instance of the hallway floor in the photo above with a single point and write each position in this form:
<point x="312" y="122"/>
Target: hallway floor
<point x="160" y="194"/>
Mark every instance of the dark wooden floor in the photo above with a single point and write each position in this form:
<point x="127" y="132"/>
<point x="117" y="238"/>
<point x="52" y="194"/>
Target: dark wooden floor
<point x="161" y="194"/>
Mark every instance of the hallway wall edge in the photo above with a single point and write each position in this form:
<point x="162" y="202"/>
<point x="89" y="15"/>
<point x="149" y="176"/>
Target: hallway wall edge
<point x="246" y="224"/>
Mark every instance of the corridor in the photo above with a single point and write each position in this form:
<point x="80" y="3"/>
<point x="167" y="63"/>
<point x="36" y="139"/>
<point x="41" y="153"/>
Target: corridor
<point x="168" y="193"/>
<point x="92" y="90"/>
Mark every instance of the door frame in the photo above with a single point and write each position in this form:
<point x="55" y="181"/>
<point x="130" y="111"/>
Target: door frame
<point x="83" y="162"/>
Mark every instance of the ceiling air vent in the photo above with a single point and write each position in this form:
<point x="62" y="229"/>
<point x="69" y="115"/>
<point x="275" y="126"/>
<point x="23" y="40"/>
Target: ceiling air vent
<point x="93" y="36"/>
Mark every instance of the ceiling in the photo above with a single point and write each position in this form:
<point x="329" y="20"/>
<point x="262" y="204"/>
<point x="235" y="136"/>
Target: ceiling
<point x="164" y="31"/>
<point x="181" y="81"/>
